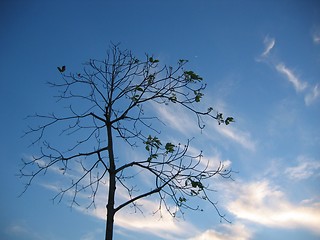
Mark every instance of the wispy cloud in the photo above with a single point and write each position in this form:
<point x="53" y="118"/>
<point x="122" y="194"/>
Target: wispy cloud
<point x="311" y="93"/>
<point x="238" y="136"/>
<point x="140" y="220"/>
<point x="165" y="227"/>
<point x="269" y="44"/>
<point x="176" y="118"/>
<point x="305" y="169"/>
<point x="144" y="221"/>
<point x="92" y="235"/>
<point x="312" y="96"/>
<point x="236" y="231"/>
<point x="316" y="37"/>
<point x="186" y="124"/>
<point x="291" y="77"/>
<point x="211" y="158"/>
<point x="263" y="204"/>
<point x="21" y="230"/>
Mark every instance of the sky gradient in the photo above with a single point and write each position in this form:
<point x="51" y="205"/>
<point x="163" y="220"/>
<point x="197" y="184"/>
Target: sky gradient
<point x="261" y="63"/>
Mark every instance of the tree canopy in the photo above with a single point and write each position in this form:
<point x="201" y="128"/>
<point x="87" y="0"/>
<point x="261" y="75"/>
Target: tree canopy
<point x="109" y="100"/>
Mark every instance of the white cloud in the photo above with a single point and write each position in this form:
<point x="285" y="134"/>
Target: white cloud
<point x="165" y="226"/>
<point x="23" y="231"/>
<point x="182" y="121"/>
<point x="176" y="118"/>
<point x="256" y="202"/>
<point x="316" y="37"/>
<point x="269" y="44"/>
<point x="236" y="231"/>
<point x="297" y="83"/>
<point x="312" y="96"/>
<point x="266" y="205"/>
<point x="243" y="138"/>
<point x="92" y="235"/>
<point x="306" y="168"/>
<point x="139" y="220"/>
<point x="211" y="158"/>
<point x="17" y="229"/>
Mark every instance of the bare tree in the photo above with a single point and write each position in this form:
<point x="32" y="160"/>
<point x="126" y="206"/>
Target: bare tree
<point x="111" y="100"/>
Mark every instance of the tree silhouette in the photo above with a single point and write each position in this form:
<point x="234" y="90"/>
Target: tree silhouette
<point x="110" y="100"/>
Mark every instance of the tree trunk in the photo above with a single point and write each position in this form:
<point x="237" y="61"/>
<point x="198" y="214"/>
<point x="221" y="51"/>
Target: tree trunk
<point x="110" y="208"/>
<point x="112" y="186"/>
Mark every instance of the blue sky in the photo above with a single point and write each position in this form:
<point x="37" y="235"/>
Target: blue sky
<point x="261" y="62"/>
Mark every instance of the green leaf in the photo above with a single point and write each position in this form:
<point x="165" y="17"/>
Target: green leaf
<point x="150" y="78"/>
<point x="229" y="120"/>
<point x="196" y="184"/>
<point x="198" y="96"/>
<point x="173" y="98"/>
<point x="152" y="142"/>
<point x="140" y="89"/>
<point x="152" y="156"/>
<point x="157" y="142"/>
<point x="152" y="60"/>
<point x="135" y="98"/>
<point x="62" y="69"/>
<point x="219" y="118"/>
<point x="191" y="76"/>
<point x="181" y="61"/>
<point x="169" y="147"/>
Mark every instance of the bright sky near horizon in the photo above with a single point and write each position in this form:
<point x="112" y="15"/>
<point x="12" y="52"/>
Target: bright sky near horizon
<point x="261" y="63"/>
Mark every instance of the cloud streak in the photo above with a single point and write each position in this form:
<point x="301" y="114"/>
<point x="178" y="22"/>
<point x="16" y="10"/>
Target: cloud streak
<point x="316" y="37"/>
<point x="164" y="225"/>
<point x="263" y="204"/>
<point x="306" y="168"/>
<point x="291" y="77"/>
<point x="176" y="118"/>
<point x="236" y="231"/>
<point x="311" y="93"/>
<point x="238" y="136"/>
<point x="312" y="96"/>
<point x="269" y="44"/>
<point x="21" y="230"/>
